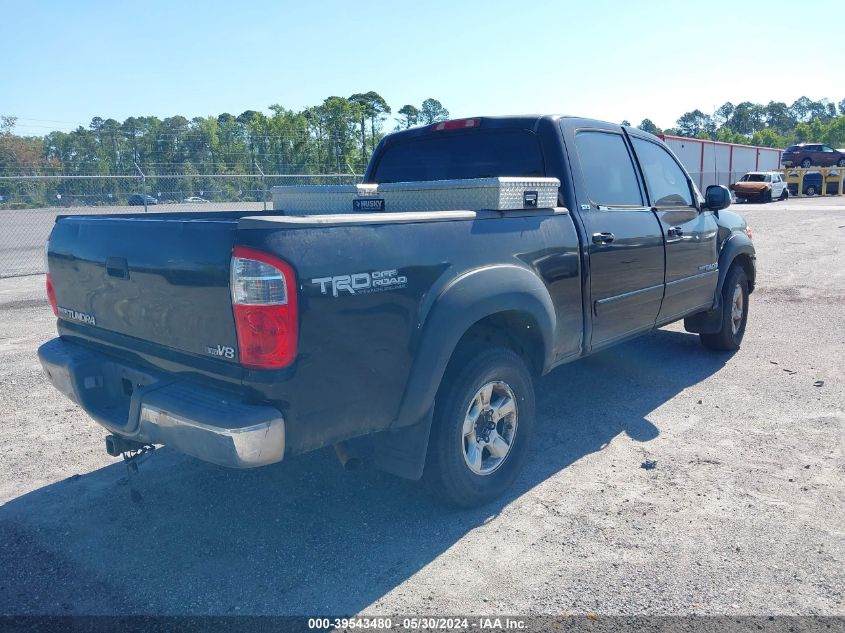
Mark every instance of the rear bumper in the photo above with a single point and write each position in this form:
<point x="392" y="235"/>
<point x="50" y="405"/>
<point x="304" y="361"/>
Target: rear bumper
<point x="140" y="405"/>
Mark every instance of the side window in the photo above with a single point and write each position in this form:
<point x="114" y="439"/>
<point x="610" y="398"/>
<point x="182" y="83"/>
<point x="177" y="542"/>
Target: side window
<point x="608" y="172"/>
<point x="825" y="148"/>
<point x="667" y="184"/>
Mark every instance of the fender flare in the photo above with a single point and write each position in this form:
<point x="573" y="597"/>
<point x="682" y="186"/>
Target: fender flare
<point x="738" y="244"/>
<point x="468" y="299"/>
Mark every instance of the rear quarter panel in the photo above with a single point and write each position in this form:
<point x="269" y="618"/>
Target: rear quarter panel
<point x="356" y="349"/>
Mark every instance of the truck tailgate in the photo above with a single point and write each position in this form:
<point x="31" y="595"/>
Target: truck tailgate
<point x="163" y="280"/>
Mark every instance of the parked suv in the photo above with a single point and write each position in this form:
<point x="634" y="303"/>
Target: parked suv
<point x="810" y="154"/>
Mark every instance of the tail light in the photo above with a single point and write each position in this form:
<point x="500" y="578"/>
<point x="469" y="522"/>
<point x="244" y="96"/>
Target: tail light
<point x="456" y="124"/>
<point x="51" y="292"/>
<point x="264" y="302"/>
<point x="51" y="295"/>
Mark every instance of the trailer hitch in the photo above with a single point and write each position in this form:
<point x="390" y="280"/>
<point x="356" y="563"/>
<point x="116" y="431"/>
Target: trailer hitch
<point x="133" y="454"/>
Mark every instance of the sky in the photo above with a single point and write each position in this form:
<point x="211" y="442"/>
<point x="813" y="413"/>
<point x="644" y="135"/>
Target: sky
<point x="67" y="62"/>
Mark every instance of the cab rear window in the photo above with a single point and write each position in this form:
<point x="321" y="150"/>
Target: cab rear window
<point x="450" y="155"/>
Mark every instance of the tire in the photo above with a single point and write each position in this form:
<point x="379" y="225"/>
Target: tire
<point x="767" y="196"/>
<point x="840" y="162"/>
<point x="784" y="195"/>
<point x="806" y="163"/>
<point x="734" y="313"/>
<point x="810" y="190"/>
<point x="478" y="385"/>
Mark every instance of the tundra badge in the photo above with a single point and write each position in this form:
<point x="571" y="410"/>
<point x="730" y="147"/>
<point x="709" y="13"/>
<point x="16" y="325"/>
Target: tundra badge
<point x="76" y="315"/>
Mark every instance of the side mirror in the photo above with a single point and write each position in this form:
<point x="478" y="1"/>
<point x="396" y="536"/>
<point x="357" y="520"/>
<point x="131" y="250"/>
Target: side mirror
<point x="716" y="198"/>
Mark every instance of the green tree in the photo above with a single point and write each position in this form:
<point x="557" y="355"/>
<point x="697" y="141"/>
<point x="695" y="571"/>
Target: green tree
<point x="747" y="118"/>
<point x="647" y="125"/>
<point x="694" y="123"/>
<point x="7" y="124"/>
<point x="410" y="116"/>
<point x="723" y="114"/>
<point x="372" y="108"/>
<point x="337" y="121"/>
<point x="432" y="111"/>
<point x="805" y="109"/>
<point x="779" y="117"/>
<point x="768" y="137"/>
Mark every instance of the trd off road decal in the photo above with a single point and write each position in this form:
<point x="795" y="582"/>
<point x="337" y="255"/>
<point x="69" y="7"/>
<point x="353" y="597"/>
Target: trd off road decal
<point x="361" y="283"/>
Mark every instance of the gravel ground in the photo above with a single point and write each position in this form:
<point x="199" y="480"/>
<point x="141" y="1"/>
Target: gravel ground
<point x="741" y="513"/>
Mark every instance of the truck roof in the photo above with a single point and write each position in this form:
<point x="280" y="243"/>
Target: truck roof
<point x="525" y="121"/>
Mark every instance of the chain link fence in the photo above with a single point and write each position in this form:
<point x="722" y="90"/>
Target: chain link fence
<point x="29" y="204"/>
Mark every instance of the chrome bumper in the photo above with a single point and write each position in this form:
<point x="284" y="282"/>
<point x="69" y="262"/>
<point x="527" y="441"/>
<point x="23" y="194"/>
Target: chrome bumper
<point x="136" y="404"/>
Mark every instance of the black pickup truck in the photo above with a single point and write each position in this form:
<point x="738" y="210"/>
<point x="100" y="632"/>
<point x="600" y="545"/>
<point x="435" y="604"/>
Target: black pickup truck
<point x="410" y="337"/>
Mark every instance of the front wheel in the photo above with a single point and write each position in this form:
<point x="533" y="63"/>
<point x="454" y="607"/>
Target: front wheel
<point x="483" y="423"/>
<point x="806" y="163"/>
<point x="841" y="162"/>
<point x="734" y="313"/>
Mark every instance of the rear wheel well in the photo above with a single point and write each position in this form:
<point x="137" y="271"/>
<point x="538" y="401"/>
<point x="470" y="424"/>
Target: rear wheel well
<point x="514" y="330"/>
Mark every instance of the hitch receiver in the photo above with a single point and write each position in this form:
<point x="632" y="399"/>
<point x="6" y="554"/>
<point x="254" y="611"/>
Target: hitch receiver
<point x="116" y="445"/>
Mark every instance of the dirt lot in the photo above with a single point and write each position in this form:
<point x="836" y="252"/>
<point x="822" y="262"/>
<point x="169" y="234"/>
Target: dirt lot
<point x="742" y="513"/>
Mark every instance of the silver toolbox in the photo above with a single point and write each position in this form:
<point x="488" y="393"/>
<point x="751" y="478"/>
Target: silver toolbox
<point x="317" y="199"/>
<point x="500" y="193"/>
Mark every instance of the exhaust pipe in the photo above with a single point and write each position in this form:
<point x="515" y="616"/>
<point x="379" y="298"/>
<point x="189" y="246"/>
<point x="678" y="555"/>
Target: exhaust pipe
<point x="348" y="458"/>
<point x="116" y="445"/>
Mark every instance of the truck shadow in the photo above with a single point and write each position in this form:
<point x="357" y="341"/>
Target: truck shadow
<point x="301" y="537"/>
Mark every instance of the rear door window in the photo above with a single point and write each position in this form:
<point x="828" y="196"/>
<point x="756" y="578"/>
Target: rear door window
<point x="450" y="155"/>
<point x="607" y="169"/>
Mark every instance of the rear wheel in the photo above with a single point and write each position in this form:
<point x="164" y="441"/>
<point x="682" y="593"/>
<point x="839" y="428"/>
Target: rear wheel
<point x="483" y="423"/>
<point x="810" y="190"/>
<point x="841" y="162"/>
<point x="734" y="313"/>
<point x="784" y="194"/>
<point x="806" y="163"/>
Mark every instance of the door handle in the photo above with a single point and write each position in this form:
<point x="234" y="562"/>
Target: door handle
<point x="675" y="231"/>
<point x="603" y="238"/>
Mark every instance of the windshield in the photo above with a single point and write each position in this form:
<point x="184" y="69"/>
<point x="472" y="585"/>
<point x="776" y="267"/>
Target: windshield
<point x="754" y="178"/>
<point x="448" y="155"/>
